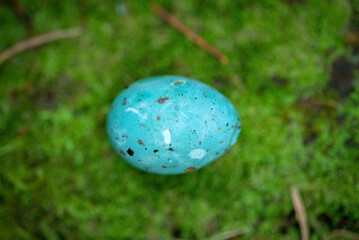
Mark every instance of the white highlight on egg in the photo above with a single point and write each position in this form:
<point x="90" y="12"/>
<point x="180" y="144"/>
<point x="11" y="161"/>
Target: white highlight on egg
<point x="167" y="136"/>
<point x="197" y="153"/>
<point x="184" y="115"/>
<point x="132" y="110"/>
<point x="136" y="112"/>
<point x="119" y="140"/>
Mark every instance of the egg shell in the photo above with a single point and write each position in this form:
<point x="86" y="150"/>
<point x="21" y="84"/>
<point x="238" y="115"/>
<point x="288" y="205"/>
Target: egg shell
<point x="171" y="124"/>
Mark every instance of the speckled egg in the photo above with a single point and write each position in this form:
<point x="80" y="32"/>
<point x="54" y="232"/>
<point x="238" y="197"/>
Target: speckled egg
<point x="171" y="124"/>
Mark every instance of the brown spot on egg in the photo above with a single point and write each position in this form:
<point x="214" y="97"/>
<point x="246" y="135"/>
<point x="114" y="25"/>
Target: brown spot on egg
<point x="177" y="83"/>
<point x="124" y="102"/>
<point x="219" y="129"/>
<point x="190" y="169"/>
<point x="141" y="142"/>
<point x="158" y="118"/>
<point x="162" y="100"/>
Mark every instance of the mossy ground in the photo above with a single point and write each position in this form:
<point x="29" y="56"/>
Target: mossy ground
<point x="60" y="179"/>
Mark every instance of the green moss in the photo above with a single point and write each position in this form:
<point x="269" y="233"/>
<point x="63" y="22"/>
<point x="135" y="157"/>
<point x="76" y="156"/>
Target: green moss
<point x="61" y="179"/>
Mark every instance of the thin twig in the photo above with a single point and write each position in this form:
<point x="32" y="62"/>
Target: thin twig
<point x="229" y="235"/>
<point x="342" y="233"/>
<point x="300" y="213"/>
<point x="38" y="41"/>
<point x="177" y="24"/>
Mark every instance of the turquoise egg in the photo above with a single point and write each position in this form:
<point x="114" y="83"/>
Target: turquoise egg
<point x="171" y="124"/>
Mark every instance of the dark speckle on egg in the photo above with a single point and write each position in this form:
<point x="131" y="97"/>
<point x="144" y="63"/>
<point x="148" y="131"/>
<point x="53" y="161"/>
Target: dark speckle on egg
<point x="124" y="102"/>
<point x="130" y="152"/>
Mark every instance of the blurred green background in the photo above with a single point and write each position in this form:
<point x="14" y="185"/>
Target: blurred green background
<point x="293" y="75"/>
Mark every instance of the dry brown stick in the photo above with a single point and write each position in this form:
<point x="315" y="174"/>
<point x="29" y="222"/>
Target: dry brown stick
<point x="300" y="212"/>
<point x="177" y="24"/>
<point x="229" y="235"/>
<point x="38" y="41"/>
<point x="342" y="233"/>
